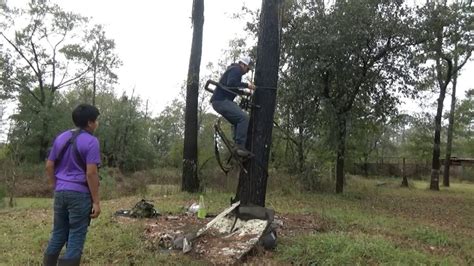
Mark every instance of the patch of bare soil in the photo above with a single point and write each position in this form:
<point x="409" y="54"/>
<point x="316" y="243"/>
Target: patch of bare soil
<point x="218" y="248"/>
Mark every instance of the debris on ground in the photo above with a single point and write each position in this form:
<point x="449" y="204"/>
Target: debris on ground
<point x="142" y="209"/>
<point x="230" y="239"/>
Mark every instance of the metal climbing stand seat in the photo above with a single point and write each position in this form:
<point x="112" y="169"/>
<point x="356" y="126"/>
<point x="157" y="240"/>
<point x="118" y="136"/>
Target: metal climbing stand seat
<point x="221" y="141"/>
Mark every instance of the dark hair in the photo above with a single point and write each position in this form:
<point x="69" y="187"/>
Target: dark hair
<point x="83" y="113"/>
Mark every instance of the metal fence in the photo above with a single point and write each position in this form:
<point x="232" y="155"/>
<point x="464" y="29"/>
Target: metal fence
<point x="412" y="168"/>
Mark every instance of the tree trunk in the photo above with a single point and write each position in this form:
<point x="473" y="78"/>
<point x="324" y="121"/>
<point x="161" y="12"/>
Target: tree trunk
<point x="94" y="83"/>
<point x="435" y="164"/>
<point x="341" y="150"/>
<point x="443" y="84"/>
<point x="190" y="181"/>
<point x="366" y="164"/>
<point x="300" y="148"/>
<point x="44" y="140"/>
<point x="449" y="143"/>
<point x="404" y="174"/>
<point x="253" y="183"/>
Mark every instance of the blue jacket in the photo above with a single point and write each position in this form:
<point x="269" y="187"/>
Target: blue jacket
<point x="232" y="77"/>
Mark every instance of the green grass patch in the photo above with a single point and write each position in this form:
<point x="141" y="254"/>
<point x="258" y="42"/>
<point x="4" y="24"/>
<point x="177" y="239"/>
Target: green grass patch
<point x="29" y="203"/>
<point x="343" y="249"/>
<point x="431" y="236"/>
<point x="373" y="222"/>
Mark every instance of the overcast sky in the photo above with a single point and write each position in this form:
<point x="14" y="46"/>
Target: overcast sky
<point x="153" y="39"/>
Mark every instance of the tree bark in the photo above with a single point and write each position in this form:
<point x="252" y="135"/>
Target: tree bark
<point x="449" y="143"/>
<point x="341" y="150"/>
<point x="253" y="183"/>
<point x="94" y="82"/>
<point x="404" y="174"/>
<point x="190" y="181"/>
<point x="300" y="149"/>
<point x="435" y="164"/>
<point x="443" y="84"/>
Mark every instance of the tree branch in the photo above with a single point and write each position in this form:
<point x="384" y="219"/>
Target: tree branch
<point x="20" y="53"/>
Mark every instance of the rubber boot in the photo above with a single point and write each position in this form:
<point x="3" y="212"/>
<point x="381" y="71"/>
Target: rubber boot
<point x="69" y="262"/>
<point x="50" y="260"/>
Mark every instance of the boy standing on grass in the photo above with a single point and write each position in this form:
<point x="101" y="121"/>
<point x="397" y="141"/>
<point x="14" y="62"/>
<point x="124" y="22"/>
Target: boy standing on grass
<point x="72" y="169"/>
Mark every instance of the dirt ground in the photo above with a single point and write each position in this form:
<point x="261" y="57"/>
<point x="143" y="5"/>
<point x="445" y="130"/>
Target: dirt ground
<point x="161" y="231"/>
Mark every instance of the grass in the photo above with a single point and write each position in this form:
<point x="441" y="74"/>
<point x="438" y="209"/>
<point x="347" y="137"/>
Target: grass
<point x="338" y="248"/>
<point x="368" y="224"/>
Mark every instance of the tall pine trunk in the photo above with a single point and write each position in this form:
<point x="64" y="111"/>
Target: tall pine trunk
<point x="449" y="143"/>
<point x="190" y="181"/>
<point x="253" y="183"/>
<point x="435" y="164"/>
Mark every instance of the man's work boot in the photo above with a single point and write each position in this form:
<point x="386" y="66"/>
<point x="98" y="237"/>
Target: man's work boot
<point x="50" y="260"/>
<point x="69" y="262"/>
<point x="242" y="152"/>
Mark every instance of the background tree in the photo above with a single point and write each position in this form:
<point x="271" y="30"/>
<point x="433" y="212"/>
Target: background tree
<point x="97" y="52"/>
<point x="458" y="39"/>
<point x="190" y="180"/>
<point x="3" y="122"/>
<point x="355" y="54"/>
<point x="39" y="62"/>
<point x="168" y="131"/>
<point x="463" y="143"/>
<point x="446" y="39"/>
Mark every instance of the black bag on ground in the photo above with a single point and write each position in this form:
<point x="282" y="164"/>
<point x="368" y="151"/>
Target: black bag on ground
<point x="142" y="209"/>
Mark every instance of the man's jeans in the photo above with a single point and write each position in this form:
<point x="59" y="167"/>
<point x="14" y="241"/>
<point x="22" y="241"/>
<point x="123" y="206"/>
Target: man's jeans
<point x="236" y="116"/>
<point x="71" y="220"/>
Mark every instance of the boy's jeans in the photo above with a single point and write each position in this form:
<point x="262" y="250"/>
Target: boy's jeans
<point x="236" y="116"/>
<point x="71" y="220"/>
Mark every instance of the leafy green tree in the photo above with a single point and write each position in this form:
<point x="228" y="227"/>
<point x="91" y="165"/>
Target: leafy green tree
<point x="125" y="133"/>
<point x="448" y="32"/>
<point x="40" y="59"/>
<point x="460" y="45"/>
<point x="417" y="136"/>
<point x="3" y="122"/>
<point x="167" y="131"/>
<point x="96" y="52"/>
<point x="351" y="54"/>
<point x="463" y="143"/>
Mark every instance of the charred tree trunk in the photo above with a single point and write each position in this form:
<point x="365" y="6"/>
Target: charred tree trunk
<point x="190" y="181"/>
<point x="341" y="150"/>
<point x="253" y="183"/>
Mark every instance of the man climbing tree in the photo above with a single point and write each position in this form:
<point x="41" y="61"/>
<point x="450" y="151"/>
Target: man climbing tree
<point x="253" y="182"/>
<point x="190" y="179"/>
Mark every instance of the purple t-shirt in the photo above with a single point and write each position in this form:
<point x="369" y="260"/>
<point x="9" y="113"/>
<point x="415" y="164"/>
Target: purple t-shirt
<point x="70" y="174"/>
